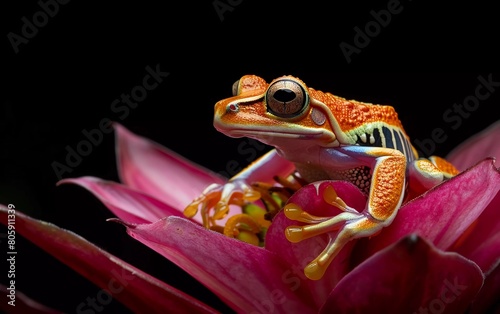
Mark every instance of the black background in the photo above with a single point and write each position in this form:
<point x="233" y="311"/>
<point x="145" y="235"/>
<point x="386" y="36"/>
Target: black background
<point x="65" y="78"/>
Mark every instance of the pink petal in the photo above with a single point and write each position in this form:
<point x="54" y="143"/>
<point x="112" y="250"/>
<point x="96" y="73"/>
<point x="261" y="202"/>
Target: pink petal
<point x="137" y="290"/>
<point x="487" y="300"/>
<point x="482" y="245"/>
<point x="310" y="198"/>
<point x="442" y="214"/>
<point x="478" y="147"/>
<point x="124" y="202"/>
<point x="148" y="167"/>
<point x="246" y="277"/>
<point x="410" y="276"/>
<point x="22" y="304"/>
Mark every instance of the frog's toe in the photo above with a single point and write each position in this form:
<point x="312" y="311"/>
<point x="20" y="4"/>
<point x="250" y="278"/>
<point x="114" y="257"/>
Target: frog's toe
<point x="219" y="197"/>
<point x="340" y="229"/>
<point x="330" y="196"/>
<point x="207" y="199"/>
<point x="235" y="192"/>
<point x="347" y="225"/>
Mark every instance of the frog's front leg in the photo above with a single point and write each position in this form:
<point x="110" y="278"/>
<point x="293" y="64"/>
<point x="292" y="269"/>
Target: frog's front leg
<point x="238" y="189"/>
<point x="388" y="171"/>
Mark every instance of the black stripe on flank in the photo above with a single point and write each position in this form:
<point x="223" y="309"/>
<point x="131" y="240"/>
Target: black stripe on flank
<point x="368" y="138"/>
<point x="359" y="141"/>
<point x="388" y="137"/>
<point x="399" y="144"/>
<point x="377" y="137"/>
<point x="409" y="151"/>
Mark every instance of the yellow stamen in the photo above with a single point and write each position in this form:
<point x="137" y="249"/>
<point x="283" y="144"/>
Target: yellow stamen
<point x="289" y="183"/>
<point x="281" y="197"/>
<point x="248" y="237"/>
<point x="253" y="210"/>
<point x="267" y="199"/>
<point x="258" y="213"/>
<point x="251" y="195"/>
<point x="262" y="185"/>
<point x="240" y="221"/>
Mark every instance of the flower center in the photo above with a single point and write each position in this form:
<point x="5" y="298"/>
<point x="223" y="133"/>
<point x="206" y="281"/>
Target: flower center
<point x="252" y="223"/>
<point x="246" y="227"/>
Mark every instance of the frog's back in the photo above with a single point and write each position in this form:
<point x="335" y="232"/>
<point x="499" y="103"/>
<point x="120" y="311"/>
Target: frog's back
<point x="367" y="124"/>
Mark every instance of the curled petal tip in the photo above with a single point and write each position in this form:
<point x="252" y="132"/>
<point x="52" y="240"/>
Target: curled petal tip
<point x="121" y="222"/>
<point x="63" y="181"/>
<point x="74" y="180"/>
<point x="116" y="125"/>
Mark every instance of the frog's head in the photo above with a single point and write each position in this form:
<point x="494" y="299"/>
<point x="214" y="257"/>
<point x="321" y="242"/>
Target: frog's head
<point x="278" y="113"/>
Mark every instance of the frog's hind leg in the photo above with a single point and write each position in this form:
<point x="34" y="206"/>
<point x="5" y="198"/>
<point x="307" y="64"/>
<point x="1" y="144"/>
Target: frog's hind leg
<point x="426" y="173"/>
<point x="444" y="166"/>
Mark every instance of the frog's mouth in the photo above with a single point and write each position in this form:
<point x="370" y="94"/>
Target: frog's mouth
<point x="270" y="133"/>
<point x="273" y="137"/>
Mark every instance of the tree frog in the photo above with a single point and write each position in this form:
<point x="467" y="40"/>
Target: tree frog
<point x="321" y="136"/>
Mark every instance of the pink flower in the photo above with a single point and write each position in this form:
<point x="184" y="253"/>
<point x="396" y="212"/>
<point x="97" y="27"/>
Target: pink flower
<point x="440" y="254"/>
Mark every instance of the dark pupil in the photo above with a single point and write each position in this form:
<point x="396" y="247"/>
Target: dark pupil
<point x="284" y="95"/>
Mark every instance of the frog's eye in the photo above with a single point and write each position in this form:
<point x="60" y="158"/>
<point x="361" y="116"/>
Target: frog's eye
<point x="286" y="98"/>
<point x="236" y="86"/>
